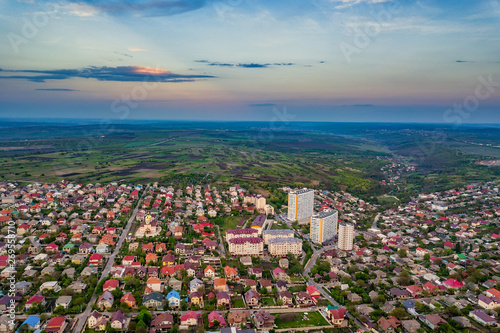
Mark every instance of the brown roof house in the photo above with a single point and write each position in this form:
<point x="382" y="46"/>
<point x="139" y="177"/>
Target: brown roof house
<point x="263" y="320"/>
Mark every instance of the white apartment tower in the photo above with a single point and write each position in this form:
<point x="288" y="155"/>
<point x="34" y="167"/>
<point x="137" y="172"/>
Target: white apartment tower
<point x="346" y="236"/>
<point x="324" y="226"/>
<point x="300" y="205"/>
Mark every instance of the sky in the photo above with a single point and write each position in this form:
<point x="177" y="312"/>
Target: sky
<point x="434" y="61"/>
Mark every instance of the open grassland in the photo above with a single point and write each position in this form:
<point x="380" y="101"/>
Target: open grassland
<point x="249" y="155"/>
<point x="290" y="158"/>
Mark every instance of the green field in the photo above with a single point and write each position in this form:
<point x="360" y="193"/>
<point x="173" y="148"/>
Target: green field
<point x="188" y="156"/>
<point x="299" y="319"/>
<point x="327" y="156"/>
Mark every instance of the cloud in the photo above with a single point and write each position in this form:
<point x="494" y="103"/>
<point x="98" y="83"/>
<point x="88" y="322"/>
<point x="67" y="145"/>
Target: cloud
<point x="221" y="64"/>
<point x="244" y="65"/>
<point x="143" y="7"/>
<point x="104" y="73"/>
<point x="262" y="104"/>
<point x="57" y="89"/>
<point x="253" y="65"/>
<point x="462" y="61"/>
<point x="81" y="10"/>
<point x="124" y="54"/>
<point x="350" y="3"/>
<point x="136" y="49"/>
<point x="413" y="24"/>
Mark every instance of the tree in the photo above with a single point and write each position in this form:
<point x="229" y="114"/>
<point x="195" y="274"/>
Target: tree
<point x="402" y="253"/>
<point x="140" y="324"/>
<point x="452" y="311"/>
<point x="144" y="316"/>
<point x="399" y="313"/>
<point x="404" y="278"/>
<point x="379" y="300"/>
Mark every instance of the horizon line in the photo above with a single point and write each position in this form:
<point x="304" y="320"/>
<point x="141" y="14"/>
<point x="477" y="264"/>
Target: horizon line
<point x="118" y="121"/>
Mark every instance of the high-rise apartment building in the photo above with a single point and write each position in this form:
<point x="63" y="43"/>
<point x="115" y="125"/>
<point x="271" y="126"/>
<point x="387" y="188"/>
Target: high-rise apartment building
<point x="323" y="226"/>
<point x="300" y="205"/>
<point x="346" y="236"/>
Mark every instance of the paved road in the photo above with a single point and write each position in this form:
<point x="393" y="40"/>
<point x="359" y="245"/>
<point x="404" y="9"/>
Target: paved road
<point x="315" y="256"/>
<point x="82" y="318"/>
<point x="311" y="264"/>
<point x="330" y="298"/>
<point x="374" y="225"/>
<point x="158" y="143"/>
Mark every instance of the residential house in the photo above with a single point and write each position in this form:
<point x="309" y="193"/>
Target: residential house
<point x="162" y="322"/>
<point x="238" y="317"/>
<point x="488" y="303"/>
<point x="433" y="321"/>
<point x="220" y="285"/>
<point x="398" y="293"/>
<point x="304" y="300"/>
<point x="85" y="248"/>
<point x="155" y="284"/>
<point x="153" y="300"/>
<point x="223" y="300"/>
<point x="483" y="318"/>
<point x="209" y="272"/>
<point x="279" y="274"/>
<point x="263" y="320"/>
<point x="56" y="325"/>
<point x="336" y="316"/>
<point x="286" y="297"/>
<point x="118" y="320"/>
<point x="63" y="301"/>
<point x="215" y="319"/>
<point x="129" y="299"/>
<point x="410" y="325"/>
<point x="252" y="298"/>
<point x="190" y="318"/>
<point x="105" y="301"/>
<point x="195" y="284"/>
<point x="96" y="259"/>
<point x="230" y="273"/>
<point x="388" y="325"/>
<point x="196" y="298"/>
<point x="173" y="299"/>
<point x="110" y="285"/>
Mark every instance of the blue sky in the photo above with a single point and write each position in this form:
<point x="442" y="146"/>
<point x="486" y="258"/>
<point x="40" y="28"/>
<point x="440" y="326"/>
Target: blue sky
<point x="331" y="60"/>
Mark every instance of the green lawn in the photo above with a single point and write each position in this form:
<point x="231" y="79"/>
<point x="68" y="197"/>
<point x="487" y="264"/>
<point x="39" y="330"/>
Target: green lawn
<point x="296" y="289"/>
<point x="268" y="301"/>
<point x="230" y="222"/>
<point x="296" y="319"/>
<point x="296" y="279"/>
<point x="237" y="303"/>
